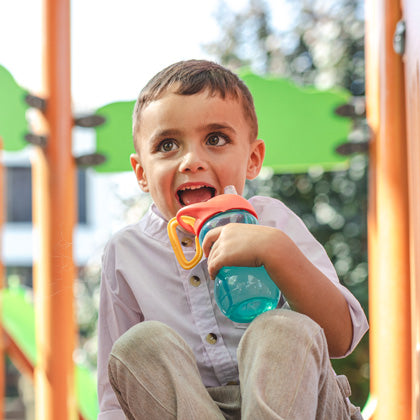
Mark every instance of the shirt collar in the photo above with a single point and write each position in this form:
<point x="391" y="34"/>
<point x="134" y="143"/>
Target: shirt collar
<point x="155" y="225"/>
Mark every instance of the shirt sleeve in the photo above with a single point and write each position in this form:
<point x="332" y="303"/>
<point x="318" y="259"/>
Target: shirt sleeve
<point x="274" y="213"/>
<point x="118" y="311"/>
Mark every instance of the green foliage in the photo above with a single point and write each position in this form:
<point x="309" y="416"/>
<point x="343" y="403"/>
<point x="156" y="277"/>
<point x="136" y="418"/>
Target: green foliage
<point x="321" y="43"/>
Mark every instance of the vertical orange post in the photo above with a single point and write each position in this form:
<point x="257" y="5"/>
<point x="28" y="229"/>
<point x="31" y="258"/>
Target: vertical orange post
<point x="54" y="218"/>
<point x="412" y="81"/>
<point x="389" y="283"/>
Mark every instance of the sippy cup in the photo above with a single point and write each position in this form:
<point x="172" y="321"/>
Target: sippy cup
<point x="242" y="293"/>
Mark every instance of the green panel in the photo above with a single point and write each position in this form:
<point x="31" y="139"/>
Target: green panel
<point x="13" y="124"/>
<point x="297" y="124"/>
<point x="86" y="393"/>
<point x="18" y="317"/>
<point x="114" y="138"/>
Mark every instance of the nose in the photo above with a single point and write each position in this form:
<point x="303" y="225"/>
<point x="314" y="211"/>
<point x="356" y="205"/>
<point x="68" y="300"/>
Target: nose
<point x="193" y="161"/>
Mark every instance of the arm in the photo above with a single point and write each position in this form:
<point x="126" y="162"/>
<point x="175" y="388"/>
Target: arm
<point x="306" y="288"/>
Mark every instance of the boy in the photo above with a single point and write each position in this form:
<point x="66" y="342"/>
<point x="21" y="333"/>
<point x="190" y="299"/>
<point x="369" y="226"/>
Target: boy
<point x="165" y="349"/>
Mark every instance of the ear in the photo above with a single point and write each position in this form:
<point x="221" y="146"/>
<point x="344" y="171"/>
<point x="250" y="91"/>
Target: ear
<point x="256" y="158"/>
<point x="139" y="171"/>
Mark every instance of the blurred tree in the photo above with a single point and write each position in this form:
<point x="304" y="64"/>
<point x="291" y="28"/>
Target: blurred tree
<point x="321" y="44"/>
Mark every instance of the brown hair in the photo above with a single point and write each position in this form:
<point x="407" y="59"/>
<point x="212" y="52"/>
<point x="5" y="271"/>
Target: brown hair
<point x="194" y="76"/>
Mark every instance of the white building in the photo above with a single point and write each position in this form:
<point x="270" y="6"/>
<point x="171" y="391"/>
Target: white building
<point x="101" y="211"/>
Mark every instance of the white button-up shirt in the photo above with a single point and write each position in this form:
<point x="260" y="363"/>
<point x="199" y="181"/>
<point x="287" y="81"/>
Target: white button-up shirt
<point x="142" y="280"/>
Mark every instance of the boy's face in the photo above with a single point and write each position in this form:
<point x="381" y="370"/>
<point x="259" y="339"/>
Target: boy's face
<point x="191" y="147"/>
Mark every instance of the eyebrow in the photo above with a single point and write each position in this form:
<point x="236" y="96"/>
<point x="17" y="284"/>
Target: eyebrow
<point x="219" y="126"/>
<point x="166" y="133"/>
<point x="159" y="135"/>
<point x="173" y="132"/>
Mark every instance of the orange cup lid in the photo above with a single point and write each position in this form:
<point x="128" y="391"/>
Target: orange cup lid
<point x="201" y="212"/>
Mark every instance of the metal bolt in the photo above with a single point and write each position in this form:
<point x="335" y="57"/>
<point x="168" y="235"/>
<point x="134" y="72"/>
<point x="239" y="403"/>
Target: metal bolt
<point x="399" y="38"/>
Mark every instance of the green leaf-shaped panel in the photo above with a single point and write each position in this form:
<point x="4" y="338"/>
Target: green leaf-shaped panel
<point x="298" y="124"/>
<point x="114" y="138"/>
<point x="13" y="124"/>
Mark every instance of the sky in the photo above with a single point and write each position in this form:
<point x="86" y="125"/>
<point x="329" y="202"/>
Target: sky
<point x="117" y="46"/>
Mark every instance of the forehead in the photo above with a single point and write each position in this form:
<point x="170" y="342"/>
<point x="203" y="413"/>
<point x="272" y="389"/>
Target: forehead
<point x="173" y="110"/>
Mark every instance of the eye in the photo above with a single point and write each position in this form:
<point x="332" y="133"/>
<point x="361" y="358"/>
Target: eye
<point x="217" y="139"/>
<point x="167" y="145"/>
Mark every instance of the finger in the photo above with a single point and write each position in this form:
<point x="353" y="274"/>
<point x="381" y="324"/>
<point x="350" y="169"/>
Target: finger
<point x="209" y="240"/>
<point x="213" y="265"/>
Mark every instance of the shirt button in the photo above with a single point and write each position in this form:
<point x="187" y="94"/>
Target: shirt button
<point x="211" y="338"/>
<point x="186" y="241"/>
<point x="195" y="281"/>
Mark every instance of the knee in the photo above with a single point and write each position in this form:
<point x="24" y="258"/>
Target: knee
<point x="284" y="321"/>
<point x="141" y="339"/>
<point x="274" y="328"/>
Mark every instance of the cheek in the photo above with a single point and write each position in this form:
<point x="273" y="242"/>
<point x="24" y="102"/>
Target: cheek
<point x="161" y="180"/>
<point x="235" y="168"/>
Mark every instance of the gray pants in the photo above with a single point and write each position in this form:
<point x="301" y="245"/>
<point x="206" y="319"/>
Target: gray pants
<point x="284" y="372"/>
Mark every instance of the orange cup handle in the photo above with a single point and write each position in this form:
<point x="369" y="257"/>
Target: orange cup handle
<point x="173" y="237"/>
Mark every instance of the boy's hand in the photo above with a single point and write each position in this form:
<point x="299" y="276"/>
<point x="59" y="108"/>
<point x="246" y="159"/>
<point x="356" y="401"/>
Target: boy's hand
<point x="236" y="244"/>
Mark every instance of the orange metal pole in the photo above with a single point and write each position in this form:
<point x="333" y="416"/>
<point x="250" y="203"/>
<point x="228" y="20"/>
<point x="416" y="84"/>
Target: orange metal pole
<point x="54" y="219"/>
<point x="389" y="283"/>
<point x="412" y="90"/>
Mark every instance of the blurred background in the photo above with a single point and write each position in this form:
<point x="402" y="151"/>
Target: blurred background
<point x="116" y="48"/>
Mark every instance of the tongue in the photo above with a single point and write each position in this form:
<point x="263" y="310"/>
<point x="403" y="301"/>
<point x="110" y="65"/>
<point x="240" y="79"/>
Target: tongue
<point x="195" y="196"/>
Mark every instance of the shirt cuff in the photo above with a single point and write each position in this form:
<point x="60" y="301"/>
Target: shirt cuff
<point x="360" y="327"/>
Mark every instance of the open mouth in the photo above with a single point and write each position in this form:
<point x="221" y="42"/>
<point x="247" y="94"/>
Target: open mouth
<point x="195" y="194"/>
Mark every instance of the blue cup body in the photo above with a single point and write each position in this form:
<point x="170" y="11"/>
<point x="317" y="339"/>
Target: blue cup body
<point x="242" y="293"/>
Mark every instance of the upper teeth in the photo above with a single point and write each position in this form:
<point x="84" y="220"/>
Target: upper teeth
<point x="193" y="187"/>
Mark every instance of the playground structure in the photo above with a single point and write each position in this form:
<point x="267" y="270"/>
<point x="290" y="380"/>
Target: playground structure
<point x="393" y="111"/>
